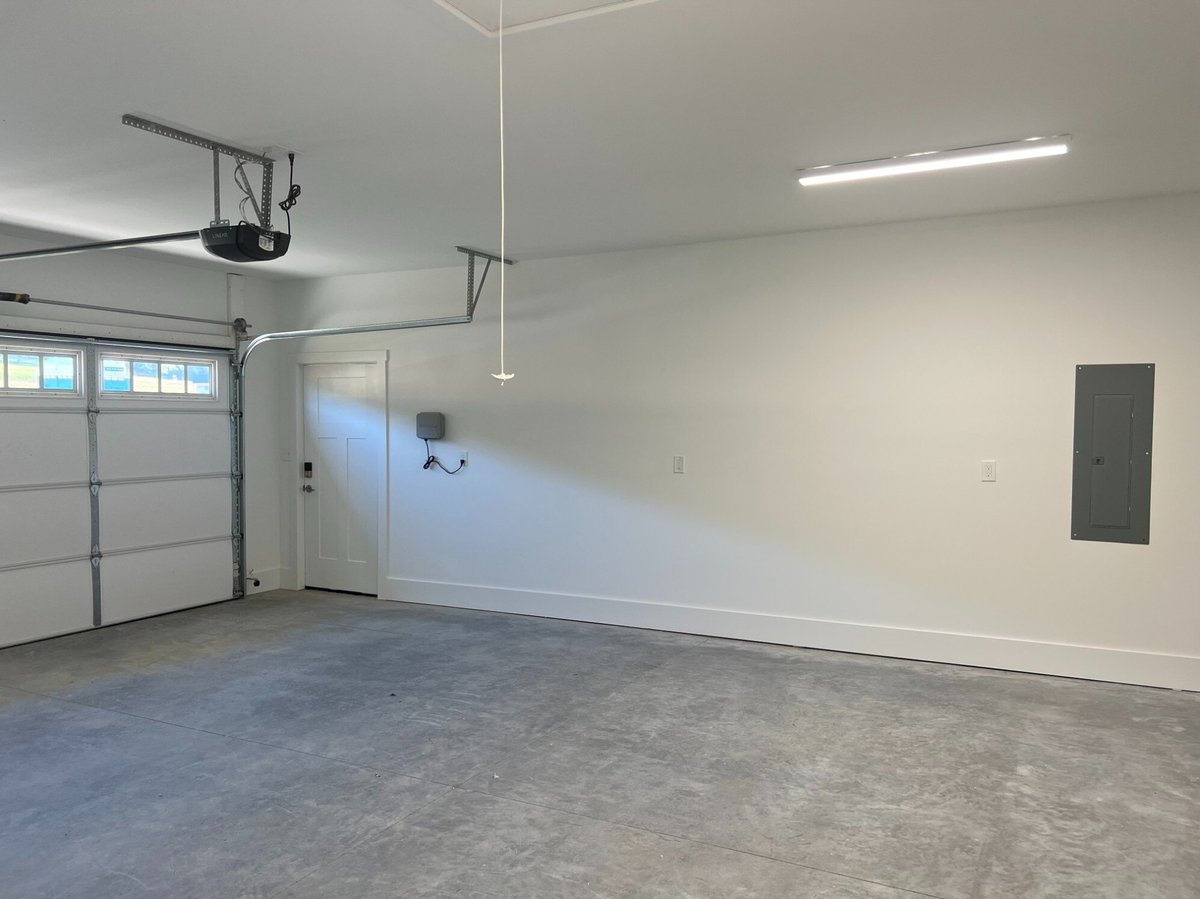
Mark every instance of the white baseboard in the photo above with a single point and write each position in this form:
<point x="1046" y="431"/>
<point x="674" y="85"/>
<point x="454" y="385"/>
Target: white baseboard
<point x="268" y="579"/>
<point x="1065" y="659"/>
<point x="289" y="580"/>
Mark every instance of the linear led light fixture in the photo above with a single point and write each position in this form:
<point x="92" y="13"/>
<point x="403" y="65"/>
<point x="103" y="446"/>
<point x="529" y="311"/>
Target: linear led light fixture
<point x="936" y="160"/>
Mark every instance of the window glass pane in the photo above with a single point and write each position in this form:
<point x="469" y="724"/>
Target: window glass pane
<point x="58" y="372"/>
<point x="172" y="377"/>
<point x="149" y="377"/>
<point x="115" y="375"/>
<point x="23" y="371"/>
<point x="145" y="377"/>
<point x="199" y="380"/>
<point x="3" y="383"/>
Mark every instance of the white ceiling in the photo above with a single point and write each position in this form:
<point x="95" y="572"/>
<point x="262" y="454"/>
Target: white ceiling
<point x="523" y="15"/>
<point x="664" y="123"/>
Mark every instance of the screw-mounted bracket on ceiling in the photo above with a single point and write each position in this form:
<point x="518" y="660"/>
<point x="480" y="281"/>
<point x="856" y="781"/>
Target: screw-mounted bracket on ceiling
<point x="479" y="14"/>
<point x="474" y="293"/>
<point x="218" y="149"/>
<point x="244" y="242"/>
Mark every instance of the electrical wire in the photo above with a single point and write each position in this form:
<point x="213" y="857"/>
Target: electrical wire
<point x="243" y="182"/>
<point x="293" y="195"/>
<point x="502" y="376"/>
<point x="432" y="461"/>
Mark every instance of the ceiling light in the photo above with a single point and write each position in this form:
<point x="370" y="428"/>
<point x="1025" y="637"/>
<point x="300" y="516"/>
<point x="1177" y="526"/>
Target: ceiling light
<point x="934" y="160"/>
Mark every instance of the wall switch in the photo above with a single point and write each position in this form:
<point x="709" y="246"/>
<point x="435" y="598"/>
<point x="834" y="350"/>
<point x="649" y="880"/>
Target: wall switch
<point x="987" y="470"/>
<point x="679" y="464"/>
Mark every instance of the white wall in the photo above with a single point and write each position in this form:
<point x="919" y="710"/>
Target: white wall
<point x="268" y="445"/>
<point x="138" y="281"/>
<point x="834" y="394"/>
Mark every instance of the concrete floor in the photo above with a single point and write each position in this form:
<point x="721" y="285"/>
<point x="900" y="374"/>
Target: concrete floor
<point x="311" y="745"/>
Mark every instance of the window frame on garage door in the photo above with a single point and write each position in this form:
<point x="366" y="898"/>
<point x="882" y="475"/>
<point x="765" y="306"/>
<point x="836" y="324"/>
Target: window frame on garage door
<point x="180" y="478"/>
<point x="11" y="348"/>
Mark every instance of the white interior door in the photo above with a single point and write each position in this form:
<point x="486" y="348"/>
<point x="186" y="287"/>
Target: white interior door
<point x="343" y="442"/>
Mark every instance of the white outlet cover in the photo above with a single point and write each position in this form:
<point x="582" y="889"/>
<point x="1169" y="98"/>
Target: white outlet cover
<point x="987" y="470"/>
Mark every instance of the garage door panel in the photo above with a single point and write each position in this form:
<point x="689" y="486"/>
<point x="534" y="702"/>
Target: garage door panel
<point x="161" y="445"/>
<point x="164" y="512"/>
<point x="43" y="448"/>
<point x="44" y="524"/>
<point x="45" y="601"/>
<point x="138" y="584"/>
<point x="166" y="443"/>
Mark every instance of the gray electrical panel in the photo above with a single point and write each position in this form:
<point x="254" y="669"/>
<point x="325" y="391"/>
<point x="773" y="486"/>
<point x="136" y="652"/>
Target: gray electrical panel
<point x="1114" y="428"/>
<point x="431" y="425"/>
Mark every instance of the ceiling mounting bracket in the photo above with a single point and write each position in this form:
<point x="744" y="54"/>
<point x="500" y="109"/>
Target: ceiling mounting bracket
<point x="474" y="293"/>
<point x="219" y="149"/>
<point x="217" y="220"/>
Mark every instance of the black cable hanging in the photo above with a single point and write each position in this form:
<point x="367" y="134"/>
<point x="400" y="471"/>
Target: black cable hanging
<point x="432" y="461"/>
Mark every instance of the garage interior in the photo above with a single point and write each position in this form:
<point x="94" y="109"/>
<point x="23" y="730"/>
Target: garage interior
<point x="534" y="450"/>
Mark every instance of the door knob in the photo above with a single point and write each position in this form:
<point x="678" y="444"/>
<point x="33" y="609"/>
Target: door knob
<point x="307" y="488"/>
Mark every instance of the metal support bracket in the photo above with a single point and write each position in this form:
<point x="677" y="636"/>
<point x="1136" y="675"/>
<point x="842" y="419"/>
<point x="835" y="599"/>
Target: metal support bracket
<point x="474" y="293"/>
<point x="218" y="148"/>
<point x="217" y="220"/>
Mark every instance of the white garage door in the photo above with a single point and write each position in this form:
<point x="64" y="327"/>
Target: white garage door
<point x="122" y="513"/>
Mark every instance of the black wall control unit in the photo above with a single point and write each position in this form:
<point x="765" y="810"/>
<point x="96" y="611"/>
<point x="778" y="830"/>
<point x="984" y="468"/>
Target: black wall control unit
<point x="1114" y="429"/>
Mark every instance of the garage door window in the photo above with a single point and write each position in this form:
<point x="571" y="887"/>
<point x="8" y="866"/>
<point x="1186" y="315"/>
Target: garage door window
<point x="161" y="376"/>
<point x="38" y="372"/>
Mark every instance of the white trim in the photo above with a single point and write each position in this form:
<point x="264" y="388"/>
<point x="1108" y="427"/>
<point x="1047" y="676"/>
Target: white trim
<point x="367" y="357"/>
<point x="215" y="363"/>
<point x="1040" y="657"/>
<point x="268" y="579"/>
<point x="294" y="578"/>
<point x="288" y="579"/>
<point x="8" y="349"/>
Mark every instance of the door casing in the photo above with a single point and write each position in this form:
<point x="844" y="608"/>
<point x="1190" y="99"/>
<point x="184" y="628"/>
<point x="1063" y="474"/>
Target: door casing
<point x="377" y="390"/>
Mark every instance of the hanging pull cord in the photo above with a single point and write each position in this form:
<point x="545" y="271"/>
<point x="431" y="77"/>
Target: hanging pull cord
<point x="502" y="376"/>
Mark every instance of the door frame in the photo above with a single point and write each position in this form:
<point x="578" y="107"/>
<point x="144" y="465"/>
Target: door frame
<point x="377" y="393"/>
